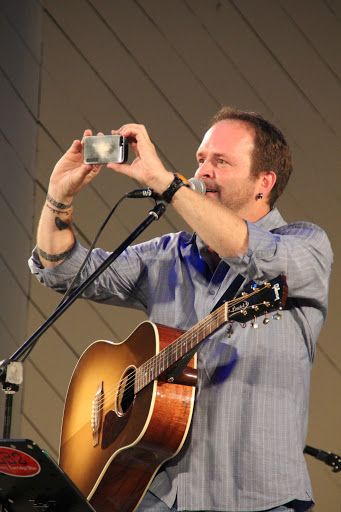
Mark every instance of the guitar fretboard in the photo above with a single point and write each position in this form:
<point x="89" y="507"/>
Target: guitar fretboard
<point x="260" y="299"/>
<point x="158" y="364"/>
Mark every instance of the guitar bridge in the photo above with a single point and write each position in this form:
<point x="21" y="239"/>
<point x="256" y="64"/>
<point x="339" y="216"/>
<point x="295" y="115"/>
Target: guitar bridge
<point x="96" y="414"/>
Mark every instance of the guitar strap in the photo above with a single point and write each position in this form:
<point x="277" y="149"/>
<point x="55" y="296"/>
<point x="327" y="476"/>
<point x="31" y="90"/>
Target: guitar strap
<point x="231" y="291"/>
<point x="229" y="294"/>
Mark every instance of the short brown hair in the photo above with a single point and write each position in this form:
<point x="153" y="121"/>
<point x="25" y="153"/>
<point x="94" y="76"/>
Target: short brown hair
<point x="271" y="151"/>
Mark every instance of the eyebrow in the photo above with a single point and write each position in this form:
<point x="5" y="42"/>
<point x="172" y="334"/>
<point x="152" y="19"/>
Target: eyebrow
<point x="216" y="155"/>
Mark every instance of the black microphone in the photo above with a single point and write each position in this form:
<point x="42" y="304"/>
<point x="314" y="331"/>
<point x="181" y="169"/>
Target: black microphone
<point x="194" y="184"/>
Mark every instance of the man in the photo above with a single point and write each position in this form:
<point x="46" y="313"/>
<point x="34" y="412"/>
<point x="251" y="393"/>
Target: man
<point x="245" y="448"/>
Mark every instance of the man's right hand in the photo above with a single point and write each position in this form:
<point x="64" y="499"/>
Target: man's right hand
<point x="70" y="174"/>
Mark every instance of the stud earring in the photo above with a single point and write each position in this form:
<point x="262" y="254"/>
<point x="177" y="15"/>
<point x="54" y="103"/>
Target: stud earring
<point x="259" y="196"/>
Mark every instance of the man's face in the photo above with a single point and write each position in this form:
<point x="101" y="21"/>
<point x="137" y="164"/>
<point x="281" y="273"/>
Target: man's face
<point x="224" y="158"/>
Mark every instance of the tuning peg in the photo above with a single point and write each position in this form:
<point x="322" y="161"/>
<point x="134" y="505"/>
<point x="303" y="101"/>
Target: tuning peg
<point x="266" y="319"/>
<point x="229" y="330"/>
<point x="277" y="316"/>
<point x="254" y="323"/>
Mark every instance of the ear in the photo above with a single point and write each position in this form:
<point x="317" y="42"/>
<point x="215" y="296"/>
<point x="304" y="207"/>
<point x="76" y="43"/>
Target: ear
<point x="267" y="180"/>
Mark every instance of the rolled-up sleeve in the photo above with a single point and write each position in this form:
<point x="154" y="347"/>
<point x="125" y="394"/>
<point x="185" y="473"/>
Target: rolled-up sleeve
<point x="120" y="284"/>
<point x="300" y="251"/>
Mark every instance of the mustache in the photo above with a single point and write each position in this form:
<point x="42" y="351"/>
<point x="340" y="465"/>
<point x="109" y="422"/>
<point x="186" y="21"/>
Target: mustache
<point x="211" y="186"/>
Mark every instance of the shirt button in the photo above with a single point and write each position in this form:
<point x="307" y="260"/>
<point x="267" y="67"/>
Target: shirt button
<point x="211" y="291"/>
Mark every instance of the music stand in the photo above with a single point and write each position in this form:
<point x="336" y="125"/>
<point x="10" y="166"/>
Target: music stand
<point x="31" y="481"/>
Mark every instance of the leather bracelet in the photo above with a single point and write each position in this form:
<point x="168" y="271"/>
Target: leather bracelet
<point x="178" y="181"/>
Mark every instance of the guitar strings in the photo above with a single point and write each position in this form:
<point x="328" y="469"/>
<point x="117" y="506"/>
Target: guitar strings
<point x="168" y="352"/>
<point x="181" y="342"/>
<point x="148" y="365"/>
<point x="130" y="380"/>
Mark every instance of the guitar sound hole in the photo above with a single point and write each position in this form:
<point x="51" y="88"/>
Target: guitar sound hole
<point x="125" y="395"/>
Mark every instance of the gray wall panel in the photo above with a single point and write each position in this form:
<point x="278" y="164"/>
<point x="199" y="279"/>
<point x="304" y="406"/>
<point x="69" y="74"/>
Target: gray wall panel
<point x="69" y="65"/>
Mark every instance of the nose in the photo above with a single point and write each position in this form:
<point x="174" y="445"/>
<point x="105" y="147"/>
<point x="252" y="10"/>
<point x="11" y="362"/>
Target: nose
<point x="205" y="170"/>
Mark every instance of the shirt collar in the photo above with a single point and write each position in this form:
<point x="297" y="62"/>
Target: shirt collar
<point x="271" y="220"/>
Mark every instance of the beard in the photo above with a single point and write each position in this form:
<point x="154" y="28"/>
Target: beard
<point x="235" y="197"/>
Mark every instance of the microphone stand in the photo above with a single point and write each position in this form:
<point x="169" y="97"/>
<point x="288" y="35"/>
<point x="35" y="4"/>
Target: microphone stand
<point x="50" y="489"/>
<point x="11" y="372"/>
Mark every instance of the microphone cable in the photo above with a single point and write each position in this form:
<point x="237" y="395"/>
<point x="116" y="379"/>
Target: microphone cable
<point x="105" y="222"/>
<point x="195" y="184"/>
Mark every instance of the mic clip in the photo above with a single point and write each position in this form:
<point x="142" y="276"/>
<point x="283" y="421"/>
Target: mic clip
<point x="143" y="192"/>
<point x="194" y="184"/>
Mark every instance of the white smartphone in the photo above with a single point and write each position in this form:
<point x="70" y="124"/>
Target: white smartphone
<point x="103" y="149"/>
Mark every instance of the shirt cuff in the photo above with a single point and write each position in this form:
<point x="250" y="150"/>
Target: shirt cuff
<point x="65" y="270"/>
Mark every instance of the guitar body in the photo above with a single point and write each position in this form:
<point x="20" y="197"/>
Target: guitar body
<point x="114" y="440"/>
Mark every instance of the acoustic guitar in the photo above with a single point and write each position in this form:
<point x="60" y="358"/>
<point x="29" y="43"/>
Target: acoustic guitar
<point x="129" y="405"/>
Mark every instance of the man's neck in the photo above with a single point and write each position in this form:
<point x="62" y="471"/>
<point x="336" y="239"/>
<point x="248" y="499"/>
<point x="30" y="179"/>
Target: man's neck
<point x="255" y="213"/>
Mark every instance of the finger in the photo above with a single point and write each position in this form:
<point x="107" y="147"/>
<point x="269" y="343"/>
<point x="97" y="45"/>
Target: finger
<point x="131" y="140"/>
<point x="76" y="147"/>
<point x="137" y="131"/>
<point x="88" y="167"/>
<point x="135" y="127"/>
<point x="89" y="171"/>
<point x="86" y="133"/>
<point x="94" y="171"/>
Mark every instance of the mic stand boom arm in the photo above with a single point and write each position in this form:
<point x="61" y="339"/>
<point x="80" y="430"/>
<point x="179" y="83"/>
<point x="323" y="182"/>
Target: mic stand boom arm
<point x="11" y="368"/>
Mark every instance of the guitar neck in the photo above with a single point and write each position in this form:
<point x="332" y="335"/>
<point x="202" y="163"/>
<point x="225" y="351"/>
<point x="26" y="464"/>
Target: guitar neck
<point x="258" y="300"/>
<point x="159" y="363"/>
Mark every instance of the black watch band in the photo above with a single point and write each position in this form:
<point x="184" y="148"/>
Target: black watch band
<point x="173" y="187"/>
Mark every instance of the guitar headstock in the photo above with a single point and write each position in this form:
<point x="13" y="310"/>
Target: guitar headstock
<point x="334" y="461"/>
<point x="331" y="459"/>
<point x="257" y="299"/>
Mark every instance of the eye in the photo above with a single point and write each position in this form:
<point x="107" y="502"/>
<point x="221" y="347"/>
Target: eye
<point x="201" y="160"/>
<point x="221" y="161"/>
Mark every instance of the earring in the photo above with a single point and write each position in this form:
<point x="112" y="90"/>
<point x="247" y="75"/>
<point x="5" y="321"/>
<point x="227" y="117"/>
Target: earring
<point x="259" y="196"/>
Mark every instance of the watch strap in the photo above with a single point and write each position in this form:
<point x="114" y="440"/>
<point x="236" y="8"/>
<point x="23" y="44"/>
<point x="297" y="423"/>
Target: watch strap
<point x="178" y="181"/>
